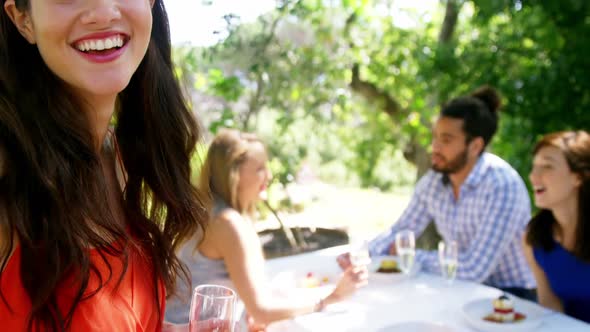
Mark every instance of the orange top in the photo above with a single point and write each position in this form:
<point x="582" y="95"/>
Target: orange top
<point x="131" y="307"/>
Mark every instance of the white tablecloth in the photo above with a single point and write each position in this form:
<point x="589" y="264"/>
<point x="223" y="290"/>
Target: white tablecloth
<point x="385" y="302"/>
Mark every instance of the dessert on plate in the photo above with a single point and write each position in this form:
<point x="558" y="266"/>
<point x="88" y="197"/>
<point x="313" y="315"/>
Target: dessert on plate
<point x="388" y="266"/>
<point x="311" y="281"/>
<point x="504" y="311"/>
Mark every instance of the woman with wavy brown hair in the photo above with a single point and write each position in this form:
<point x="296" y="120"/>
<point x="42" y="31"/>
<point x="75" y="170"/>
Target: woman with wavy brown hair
<point x="91" y="214"/>
<point x="557" y="243"/>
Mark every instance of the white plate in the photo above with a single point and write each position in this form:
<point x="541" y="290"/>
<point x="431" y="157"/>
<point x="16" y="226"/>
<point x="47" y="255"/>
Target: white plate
<point x="476" y="310"/>
<point x="417" y="327"/>
<point x="376" y="262"/>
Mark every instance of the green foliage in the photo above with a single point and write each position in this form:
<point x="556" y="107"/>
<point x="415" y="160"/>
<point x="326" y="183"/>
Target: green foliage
<point x="227" y="87"/>
<point x="541" y="66"/>
<point x="288" y="76"/>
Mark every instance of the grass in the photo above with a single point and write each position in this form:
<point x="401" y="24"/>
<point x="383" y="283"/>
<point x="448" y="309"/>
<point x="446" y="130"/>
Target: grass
<point x="363" y="213"/>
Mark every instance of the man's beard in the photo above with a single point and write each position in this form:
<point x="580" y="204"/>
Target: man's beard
<point x="453" y="166"/>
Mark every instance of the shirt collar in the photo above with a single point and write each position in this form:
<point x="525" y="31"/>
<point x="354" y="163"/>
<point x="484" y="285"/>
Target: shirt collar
<point x="478" y="171"/>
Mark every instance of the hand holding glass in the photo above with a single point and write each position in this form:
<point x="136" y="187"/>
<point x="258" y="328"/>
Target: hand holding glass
<point x="212" y="309"/>
<point x="448" y="256"/>
<point x="405" y="245"/>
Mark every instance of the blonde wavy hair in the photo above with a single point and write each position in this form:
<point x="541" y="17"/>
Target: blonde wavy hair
<point x="221" y="170"/>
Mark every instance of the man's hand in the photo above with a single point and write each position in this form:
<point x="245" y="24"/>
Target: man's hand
<point x="392" y="250"/>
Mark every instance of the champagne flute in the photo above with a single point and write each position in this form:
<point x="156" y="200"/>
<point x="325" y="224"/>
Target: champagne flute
<point x="448" y="256"/>
<point x="212" y="309"/>
<point x="405" y="245"/>
<point x="359" y="254"/>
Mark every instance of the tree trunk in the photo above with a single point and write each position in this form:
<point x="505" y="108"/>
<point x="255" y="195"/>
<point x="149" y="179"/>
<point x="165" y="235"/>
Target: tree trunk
<point x="419" y="156"/>
<point x="254" y="104"/>
<point x="450" y="21"/>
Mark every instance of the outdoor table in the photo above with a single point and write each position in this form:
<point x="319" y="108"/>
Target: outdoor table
<point x="385" y="302"/>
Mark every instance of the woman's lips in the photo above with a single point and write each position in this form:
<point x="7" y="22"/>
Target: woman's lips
<point x="103" y="56"/>
<point x="102" y="47"/>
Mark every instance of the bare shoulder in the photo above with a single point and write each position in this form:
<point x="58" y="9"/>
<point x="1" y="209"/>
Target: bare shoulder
<point x="228" y="220"/>
<point x="229" y="215"/>
<point x="232" y="234"/>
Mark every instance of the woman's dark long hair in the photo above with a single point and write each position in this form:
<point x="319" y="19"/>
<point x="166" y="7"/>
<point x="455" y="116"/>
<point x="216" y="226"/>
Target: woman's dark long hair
<point x="575" y="146"/>
<point x="53" y="194"/>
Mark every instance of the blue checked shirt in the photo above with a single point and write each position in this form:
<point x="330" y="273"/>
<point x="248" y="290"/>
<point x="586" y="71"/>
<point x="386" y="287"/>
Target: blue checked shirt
<point x="487" y="221"/>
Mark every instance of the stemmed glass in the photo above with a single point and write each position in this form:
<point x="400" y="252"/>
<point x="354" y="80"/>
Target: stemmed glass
<point x="405" y="245"/>
<point x="212" y="309"/>
<point x="359" y="254"/>
<point x="448" y="257"/>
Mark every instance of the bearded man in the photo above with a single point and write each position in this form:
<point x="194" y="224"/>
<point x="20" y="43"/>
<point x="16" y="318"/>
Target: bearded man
<point x="474" y="198"/>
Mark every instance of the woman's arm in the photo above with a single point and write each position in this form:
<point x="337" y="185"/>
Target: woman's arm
<point x="547" y="297"/>
<point x="238" y="243"/>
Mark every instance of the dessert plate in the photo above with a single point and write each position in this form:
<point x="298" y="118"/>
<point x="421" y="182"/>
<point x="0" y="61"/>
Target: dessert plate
<point x="391" y="276"/>
<point x="475" y="311"/>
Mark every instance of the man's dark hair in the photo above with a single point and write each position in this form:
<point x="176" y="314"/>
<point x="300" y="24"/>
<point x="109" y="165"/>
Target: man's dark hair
<point x="479" y="112"/>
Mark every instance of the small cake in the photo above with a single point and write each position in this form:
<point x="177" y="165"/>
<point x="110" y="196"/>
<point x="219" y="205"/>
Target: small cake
<point x="504" y="311"/>
<point x="388" y="266"/>
<point x="310" y="281"/>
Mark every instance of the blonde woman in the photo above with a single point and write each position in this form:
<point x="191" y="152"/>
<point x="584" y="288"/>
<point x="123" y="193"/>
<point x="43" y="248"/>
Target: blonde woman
<point x="236" y="172"/>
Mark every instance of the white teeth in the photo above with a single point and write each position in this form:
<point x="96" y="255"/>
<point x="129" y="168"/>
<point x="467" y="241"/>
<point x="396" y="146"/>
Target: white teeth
<point x="100" y="44"/>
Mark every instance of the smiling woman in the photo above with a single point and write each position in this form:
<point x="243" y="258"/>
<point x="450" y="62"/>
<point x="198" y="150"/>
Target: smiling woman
<point x="558" y="238"/>
<point x="90" y="215"/>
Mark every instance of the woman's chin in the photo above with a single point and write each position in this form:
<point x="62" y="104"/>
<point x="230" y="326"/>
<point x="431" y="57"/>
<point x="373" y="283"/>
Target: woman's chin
<point x="542" y="205"/>
<point x="104" y="87"/>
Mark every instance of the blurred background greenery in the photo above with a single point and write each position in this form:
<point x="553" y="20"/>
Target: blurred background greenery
<point x="349" y="88"/>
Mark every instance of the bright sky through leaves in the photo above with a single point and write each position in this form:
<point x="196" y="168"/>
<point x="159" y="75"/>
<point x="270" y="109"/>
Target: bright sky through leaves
<point x="195" y="22"/>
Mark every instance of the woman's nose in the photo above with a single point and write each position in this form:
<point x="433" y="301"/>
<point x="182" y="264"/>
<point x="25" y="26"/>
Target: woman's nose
<point x="101" y="13"/>
<point x="533" y="175"/>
